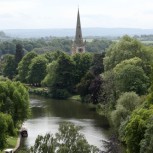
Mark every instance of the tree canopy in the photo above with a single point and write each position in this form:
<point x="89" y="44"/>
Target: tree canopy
<point x="14" y="100"/>
<point x="37" y="70"/>
<point x="24" y="66"/>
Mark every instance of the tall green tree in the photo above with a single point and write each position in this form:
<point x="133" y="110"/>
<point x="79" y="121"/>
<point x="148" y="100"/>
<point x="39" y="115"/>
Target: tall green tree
<point x="97" y="66"/>
<point x="6" y="127"/>
<point x="128" y="48"/>
<point x="24" y="66"/>
<point x="14" y="100"/>
<point x="83" y="87"/>
<point x="37" y="70"/>
<point x="82" y="65"/>
<point x="146" y="143"/>
<point x="126" y="103"/>
<point x="9" y="67"/>
<point x="135" y="129"/>
<point x="130" y="76"/>
<point x="19" y="53"/>
<point x="60" y="76"/>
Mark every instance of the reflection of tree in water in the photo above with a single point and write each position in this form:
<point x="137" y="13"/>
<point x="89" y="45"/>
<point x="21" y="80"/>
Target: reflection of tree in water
<point x="37" y="112"/>
<point x="22" y="148"/>
<point x="67" y="109"/>
<point x="72" y="109"/>
<point x="112" y="145"/>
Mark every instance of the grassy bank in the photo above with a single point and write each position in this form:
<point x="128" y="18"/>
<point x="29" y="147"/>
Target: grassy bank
<point x="39" y="91"/>
<point x="75" y="97"/>
<point x="11" y="142"/>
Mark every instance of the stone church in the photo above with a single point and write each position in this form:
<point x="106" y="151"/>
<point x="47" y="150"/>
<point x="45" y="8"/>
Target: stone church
<point x="78" y="45"/>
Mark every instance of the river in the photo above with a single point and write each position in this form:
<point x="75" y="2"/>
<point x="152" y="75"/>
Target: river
<point x="48" y="113"/>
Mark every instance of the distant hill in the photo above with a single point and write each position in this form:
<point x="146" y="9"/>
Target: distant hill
<point x="100" y="32"/>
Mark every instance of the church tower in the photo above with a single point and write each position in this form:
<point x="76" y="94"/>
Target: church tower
<point x="78" y="44"/>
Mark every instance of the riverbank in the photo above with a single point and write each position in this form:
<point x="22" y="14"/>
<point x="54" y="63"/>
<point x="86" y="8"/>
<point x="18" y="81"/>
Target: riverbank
<point x="43" y="91"/>
<point x="13" y="142"/>
<point x="75" y="97"/>
<point x="39" y="91"/>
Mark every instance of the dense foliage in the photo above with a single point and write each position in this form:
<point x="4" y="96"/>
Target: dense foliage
<point x="43" y="45"/>
<point x="60" y="77"/>
<point x="127" y="77"/>
<point x="14" y="108"/>
<point x="37" y="70"/>
<point x="6" y="128"/>
<point x="24" y="66"/>
<point x="9" y="69"/>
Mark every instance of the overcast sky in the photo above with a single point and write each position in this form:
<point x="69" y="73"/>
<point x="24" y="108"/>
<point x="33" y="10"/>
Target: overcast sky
<point x="35" y="14"/>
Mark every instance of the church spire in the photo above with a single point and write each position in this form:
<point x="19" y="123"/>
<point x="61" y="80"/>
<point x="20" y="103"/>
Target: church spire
<point x="78" y="44"/>
<point x="78" y="35"/>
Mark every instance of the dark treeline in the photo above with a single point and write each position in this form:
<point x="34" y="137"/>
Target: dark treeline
<point x="51" y="44"/>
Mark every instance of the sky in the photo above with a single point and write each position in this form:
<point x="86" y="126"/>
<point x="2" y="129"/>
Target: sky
<point x="42" y="14"/>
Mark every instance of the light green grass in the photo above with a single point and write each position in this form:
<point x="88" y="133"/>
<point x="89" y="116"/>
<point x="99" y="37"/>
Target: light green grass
<point x="76" y="97"/>
<point x="11" y="142"/>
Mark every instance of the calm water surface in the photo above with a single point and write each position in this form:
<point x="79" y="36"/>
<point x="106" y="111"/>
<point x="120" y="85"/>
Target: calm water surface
<point x="48" y="113"/>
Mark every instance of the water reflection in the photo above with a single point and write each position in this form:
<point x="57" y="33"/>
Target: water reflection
<point x="48" y="113"/>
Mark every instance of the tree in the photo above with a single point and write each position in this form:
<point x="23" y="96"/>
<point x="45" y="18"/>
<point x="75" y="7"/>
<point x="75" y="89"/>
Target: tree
<point x="9" y="67"/>
<point x="129" y="100"/>
<point x="37" y="70"/>
<point x="3" y="129"/>
<point x="19" y="53"/>
<point x="7" y="47"/>
<point x="6" y="127"/>
<point x="146" y="143"/>
<point x="128" y="48"/>
<point x="67" y="140"/>
<point x="24" y="66"/>
<point x="53" y="56"/>
<point x="131" y="77"/>
<point x="95" y="89"/>
<point x="51" y="74"/>
<point x="109" y="94"/>
<point x="82" y="65"/>
<point x="83" y="87"/>
<point x="97" y="64"/>
<point x="135" y="129"/>
<point x="126" y="103"/>
<point x="98" y="46"/>
<point x="14" y="100"/>
<point x="60" y="77"/>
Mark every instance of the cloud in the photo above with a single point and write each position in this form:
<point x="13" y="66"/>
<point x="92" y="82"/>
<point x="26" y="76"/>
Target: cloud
<point x="58" y="13"/>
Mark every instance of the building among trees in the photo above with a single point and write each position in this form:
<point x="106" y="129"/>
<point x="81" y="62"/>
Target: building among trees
<point x="78" y="45"/>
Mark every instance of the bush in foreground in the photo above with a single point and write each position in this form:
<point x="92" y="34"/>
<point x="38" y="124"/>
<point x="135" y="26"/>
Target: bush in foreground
<point x="67" y="140"/>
